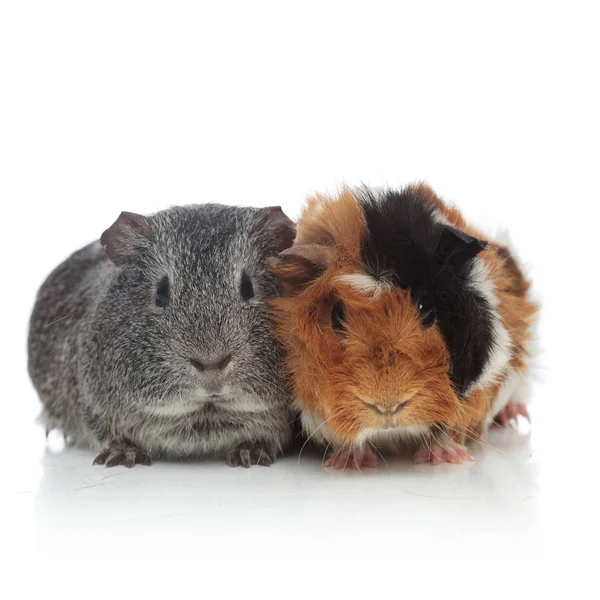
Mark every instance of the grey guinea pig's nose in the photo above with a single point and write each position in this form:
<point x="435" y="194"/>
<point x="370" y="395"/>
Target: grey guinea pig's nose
<point x="211" y="365"/>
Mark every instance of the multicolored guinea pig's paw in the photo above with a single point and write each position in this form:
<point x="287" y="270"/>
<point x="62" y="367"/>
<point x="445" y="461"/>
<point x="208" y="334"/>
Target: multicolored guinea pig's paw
<point x="352" y="459"/>
<point x="251" y="453"/>
<point x="510" y="414"/>
<point x="437" y="454"/>
<point x="122" y="453"/>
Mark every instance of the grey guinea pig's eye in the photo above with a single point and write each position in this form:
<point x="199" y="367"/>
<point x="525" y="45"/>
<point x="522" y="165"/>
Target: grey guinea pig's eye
<point x="162" y="292"/>
<point x="246" y="288"/>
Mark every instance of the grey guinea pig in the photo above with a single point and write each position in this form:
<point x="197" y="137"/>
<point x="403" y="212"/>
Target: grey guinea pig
<point x="156" y="340"/>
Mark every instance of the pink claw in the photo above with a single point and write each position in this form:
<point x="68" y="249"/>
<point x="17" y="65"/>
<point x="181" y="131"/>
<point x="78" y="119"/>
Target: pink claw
<point x="510" y="413"/>
<point x="437" y="454"/>
<point x="352" y="460"/>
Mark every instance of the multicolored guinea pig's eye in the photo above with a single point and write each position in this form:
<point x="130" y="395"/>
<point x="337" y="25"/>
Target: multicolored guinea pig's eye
<point x="246" y="288"/>
<point x="338" y="316"/>
<point x="426" y="309"/>
<point x="162" y="292"/>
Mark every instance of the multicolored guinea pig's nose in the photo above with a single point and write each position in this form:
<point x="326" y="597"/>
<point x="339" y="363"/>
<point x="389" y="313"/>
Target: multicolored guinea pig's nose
<point x="386" y="409"/>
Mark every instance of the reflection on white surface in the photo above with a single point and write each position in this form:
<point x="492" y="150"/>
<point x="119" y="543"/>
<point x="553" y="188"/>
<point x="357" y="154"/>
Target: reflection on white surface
<point x="183" y="502"/>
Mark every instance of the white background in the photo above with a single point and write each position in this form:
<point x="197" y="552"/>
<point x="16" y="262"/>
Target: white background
<point x="110" y="106"/>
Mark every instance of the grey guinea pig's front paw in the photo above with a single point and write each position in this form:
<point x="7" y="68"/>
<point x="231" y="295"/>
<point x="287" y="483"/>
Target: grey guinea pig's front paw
<point x="122" y="453"/>
<point x="252" y="453"/>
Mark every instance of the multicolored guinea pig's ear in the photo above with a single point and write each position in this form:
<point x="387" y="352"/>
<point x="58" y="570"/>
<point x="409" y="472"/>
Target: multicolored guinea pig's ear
<point x="280" y="229"/>
<point x="300" y="264"/>
<point x="457" y="247"/>
<point x="120" y="238"/>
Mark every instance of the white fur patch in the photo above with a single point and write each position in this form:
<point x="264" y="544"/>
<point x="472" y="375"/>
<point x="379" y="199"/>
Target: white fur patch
<point x="315" y="426"/>
<point x="390" y="438"/>
<point x="440" y="218"/>
<point x="504" y="396"/>
<point x="180" y="407"/>
<point x="365" y="283"/>
<point x="501" y="350"/>
<point x="177" y="408"/>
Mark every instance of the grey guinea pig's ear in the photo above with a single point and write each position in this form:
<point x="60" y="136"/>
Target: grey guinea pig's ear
<point x="300" y="264"/>
<point x="457" y="247"/>
<point x="279" y="227"/>
<point x="119" y="239"/>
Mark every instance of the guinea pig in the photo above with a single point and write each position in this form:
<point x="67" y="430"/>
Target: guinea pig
<point x="156" y="341"/>
<point x="401" y="326"/>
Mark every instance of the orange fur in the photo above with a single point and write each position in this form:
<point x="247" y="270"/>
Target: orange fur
<point x="392" y="359"/>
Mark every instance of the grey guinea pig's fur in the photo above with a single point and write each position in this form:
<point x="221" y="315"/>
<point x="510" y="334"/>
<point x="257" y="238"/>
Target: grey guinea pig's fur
<point x="152" y="342"/>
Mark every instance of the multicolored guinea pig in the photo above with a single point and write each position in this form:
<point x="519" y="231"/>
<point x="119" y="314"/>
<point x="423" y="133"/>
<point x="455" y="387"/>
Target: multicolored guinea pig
<point x="401" y="326"/>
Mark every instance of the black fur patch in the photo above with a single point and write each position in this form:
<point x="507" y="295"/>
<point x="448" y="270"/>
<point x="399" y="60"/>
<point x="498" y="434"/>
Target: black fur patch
<point x="407" y="242"/>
